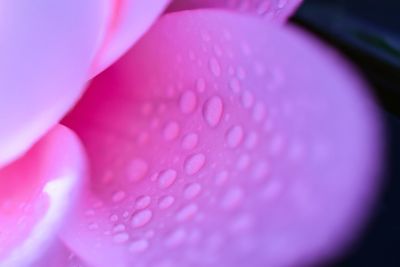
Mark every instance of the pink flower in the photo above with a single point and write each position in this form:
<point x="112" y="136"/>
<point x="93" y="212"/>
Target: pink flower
<point x="221" y="138"/>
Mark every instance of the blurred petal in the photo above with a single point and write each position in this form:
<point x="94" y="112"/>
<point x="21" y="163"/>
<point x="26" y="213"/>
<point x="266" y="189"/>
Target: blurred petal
<point x="129" y="20"/>
<point x="46" y="48"/>
<point x="58" y="256"/>
<point x="36" y="194"/>
<point x="220" y="140"/>
<point x="277" y="10"/>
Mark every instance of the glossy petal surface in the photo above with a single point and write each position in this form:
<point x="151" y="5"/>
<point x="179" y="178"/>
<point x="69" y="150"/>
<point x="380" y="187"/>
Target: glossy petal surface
<point x="221" y="140"/>
<point x="46" y="49"/>
<point x="276" y="10"/>
<point x="36" y="193"/>
<point x="129" y="20"/>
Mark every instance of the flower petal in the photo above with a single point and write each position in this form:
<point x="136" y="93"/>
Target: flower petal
<point x="277" y="10"/>
<point x="129" y="20"/>
<point x="46" y="50"/>
<point x="58" y="256"/>
<point x="220" y="140"/>
<point x="36" y="192"/>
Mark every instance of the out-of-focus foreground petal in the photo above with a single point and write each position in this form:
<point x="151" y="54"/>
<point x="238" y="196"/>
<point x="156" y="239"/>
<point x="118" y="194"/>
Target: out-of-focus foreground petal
<point x="277" y="10"/>
<point x="235" y="143"/>
<point x="58" y="255"/>
<point x="129" y="20"/>
<point x="36" y="194"/>
<point x="46" y="49"/>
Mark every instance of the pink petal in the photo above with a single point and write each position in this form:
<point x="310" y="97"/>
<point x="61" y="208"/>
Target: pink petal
<point x="129" y="20"/>
<point x="46" y="51"/>
<point x="58" y="256"/>
<point x="220" y="140"/>
<point x="277" y="10"/>
<point x="36" y="194"/>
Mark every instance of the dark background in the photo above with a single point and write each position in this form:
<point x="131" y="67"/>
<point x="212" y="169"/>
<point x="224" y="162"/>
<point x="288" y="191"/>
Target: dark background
<point x="368" y="33"/>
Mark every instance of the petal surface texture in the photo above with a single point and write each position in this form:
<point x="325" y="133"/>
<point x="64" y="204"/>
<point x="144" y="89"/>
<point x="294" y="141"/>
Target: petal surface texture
<point x="276" y="10"/>
<point x="46" y="50"/>
<point x="129" y="20"/>
<point x="222" y="140"/>
<point x="36" y="194"/>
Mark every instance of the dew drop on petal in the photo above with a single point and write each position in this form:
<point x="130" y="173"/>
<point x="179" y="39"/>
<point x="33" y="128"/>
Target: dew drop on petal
<point x="234" y="136"/>
<point x="215" y="68"/>
<point x="194" y="163"/>
<point x="167" y="178"/>
<point x="186" y="212"/>
<point x="192" y="190"/>
<point x="118" y="196"/>
<point x="141" y="218"/>
<point x="121" y="238"/>
<point x="212" y="111"/>
<point x="190" y="141"/>
<point x="166" y="202"/>
<point x="139" y="245"/>
<point x="143" y="202"/>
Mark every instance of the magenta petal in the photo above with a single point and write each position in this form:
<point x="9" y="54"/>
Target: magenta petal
<point x="129" y="20"/>
<point x="58" y="255"/>
<point x="36" y="193"/>
<point x="46" y="51"/>
<point x="277" y="10"/>
<point x="220" y="140"/>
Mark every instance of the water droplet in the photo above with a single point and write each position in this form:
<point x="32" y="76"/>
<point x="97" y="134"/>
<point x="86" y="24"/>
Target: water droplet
<point x="114" y="218"/>
<point x="232" y="198"/>
<point x="141" y="218"/>
<point x="176" y="237"/>
<point x="234" y="84"/>
<point x="118" y="196"/>
<point x="119" y="228"/>
<point x="247" y="99"/>
<point x="137" y="168"/>
<point x="143" y="202"/>
<point x="187" y="102"/>
<point x="194" y="163"/>
<point x="215" y="68"/>
<point x="166" y="202"/>
<point x="234" y="136"/>
<point x="201" y="85"/>
<point x="190" y="141"/>
<point x="167" y="178"/>
<point x="121" y="238"/>
<point x="171" y="131"/>
<point x="139" y="245"/>
<point x="186" y="212"/>
<point x="192" y="190"/>
<point x="212" y="111"/>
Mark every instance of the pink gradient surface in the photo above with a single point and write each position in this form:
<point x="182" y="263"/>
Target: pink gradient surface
<point x="36" y="193"/>
<point x="220" y="140"/>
